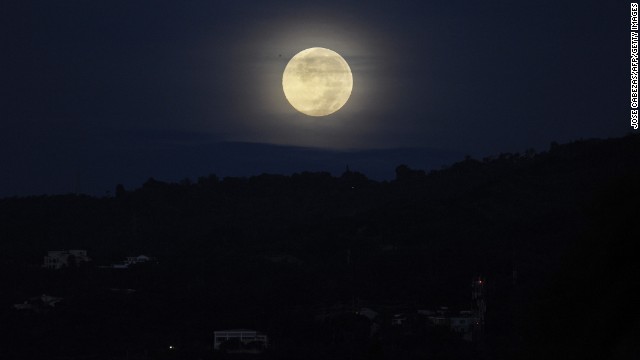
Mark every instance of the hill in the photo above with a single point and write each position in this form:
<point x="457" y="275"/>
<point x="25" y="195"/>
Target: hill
<point x="552" y="233"/>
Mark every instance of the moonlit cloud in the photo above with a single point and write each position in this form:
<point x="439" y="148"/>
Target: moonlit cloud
<point x="261" y="112"/>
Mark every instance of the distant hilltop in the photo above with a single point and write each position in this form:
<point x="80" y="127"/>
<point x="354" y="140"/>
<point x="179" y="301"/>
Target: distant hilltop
<point x="551" y="232"/>
<point x="478" y="196"/>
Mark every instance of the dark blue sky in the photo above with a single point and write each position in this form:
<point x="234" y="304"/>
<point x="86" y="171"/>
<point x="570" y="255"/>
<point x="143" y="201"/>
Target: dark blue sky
<point x="95" y="93"/>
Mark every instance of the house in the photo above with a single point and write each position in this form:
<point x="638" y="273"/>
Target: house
<point x="399" y="319"/>
<point x="440" y="317"/>
<point x="464" y="322"/>
<point x="240" y="341"/>
<point x="438" y="320"/>
<point x="120" y="265"/>
<point x="58" y="259"/>
<point x="368" y="313"/>
<point x="138" y="259"/>
<point x="38" y="303"/>
<point x="132" y="260"/>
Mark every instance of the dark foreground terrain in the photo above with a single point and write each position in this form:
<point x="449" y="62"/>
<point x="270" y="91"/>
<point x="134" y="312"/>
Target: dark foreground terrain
<point x="298" y="257"/>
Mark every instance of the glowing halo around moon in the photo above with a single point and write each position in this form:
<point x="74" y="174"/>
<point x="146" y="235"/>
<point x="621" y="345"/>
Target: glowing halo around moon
<point x="317" y="81"/>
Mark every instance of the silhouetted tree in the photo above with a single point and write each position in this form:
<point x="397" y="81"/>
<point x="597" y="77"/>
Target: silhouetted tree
<point x="404" y="173"/>
<point x="120" y="191"/>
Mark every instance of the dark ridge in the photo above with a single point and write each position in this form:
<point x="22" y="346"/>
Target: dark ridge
<point x="552" y="233"/>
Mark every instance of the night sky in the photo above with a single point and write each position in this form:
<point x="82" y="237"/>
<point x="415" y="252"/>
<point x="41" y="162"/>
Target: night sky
<point x="95" y="93"/>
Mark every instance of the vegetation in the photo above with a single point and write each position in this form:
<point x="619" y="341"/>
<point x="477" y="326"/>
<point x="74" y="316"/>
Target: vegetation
<point x="552" y="232"/>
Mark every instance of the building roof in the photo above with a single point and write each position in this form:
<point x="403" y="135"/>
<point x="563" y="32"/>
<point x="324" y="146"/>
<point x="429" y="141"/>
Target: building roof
<point x="236" y="330"/>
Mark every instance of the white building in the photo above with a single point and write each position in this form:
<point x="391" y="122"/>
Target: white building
<point x="398" y="319"/>
<point x="132" y="260"/>
<point x="58" y="259"/>
<point x="138" y="259"/>
<point x="463" y="323"/>
<point x="248" y="341"/>
<point x="368" y="313"/>
<point x="38" y="303"/>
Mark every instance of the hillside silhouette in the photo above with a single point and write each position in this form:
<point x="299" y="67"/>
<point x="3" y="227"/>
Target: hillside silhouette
<point x="552" y="232"/>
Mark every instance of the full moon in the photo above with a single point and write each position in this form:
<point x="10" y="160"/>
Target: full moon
<point x="317" y="81"/>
